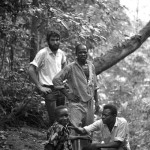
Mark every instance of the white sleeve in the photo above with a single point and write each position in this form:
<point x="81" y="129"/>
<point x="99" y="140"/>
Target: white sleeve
<point x="38" y="60"/>
<point x="122" y="132"/>
<point x="94" y="126"/>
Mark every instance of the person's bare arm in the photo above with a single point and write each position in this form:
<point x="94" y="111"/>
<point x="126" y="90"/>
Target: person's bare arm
<point x="115" y="144"/>
<point x="96" y="101"/>
<point x="64" y="64"/>
<point x="33" y="75"/>
<point x="77" y="129"/>
<point x="58" y="82"/>
<point x="81" y="137"/>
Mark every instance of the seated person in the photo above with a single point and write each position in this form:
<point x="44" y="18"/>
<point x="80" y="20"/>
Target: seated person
<point x="114" y="131"/>
<point x="58" y="135"/>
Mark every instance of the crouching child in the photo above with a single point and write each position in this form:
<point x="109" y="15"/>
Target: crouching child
<point x="59" y="134"/>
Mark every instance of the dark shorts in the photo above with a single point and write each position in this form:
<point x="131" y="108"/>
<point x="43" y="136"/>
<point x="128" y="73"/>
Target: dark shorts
<point x="55" y="95"/>
<point x="52" y="100"/>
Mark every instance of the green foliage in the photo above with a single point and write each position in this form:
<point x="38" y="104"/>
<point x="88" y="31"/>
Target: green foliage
<point x="16" y="93"/>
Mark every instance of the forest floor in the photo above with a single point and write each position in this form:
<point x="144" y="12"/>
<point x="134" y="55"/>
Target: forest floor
<point x="24" y="138"/>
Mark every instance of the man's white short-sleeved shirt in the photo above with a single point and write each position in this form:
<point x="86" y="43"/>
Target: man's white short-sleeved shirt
<point x="120" y="132"/>
<point x="48" y="64"/>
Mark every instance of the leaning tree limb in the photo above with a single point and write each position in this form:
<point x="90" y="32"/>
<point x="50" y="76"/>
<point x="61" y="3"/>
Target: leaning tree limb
<point x="122" y="50"/>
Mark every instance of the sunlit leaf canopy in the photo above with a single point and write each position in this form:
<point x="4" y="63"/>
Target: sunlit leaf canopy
<point x="89" y="22"/>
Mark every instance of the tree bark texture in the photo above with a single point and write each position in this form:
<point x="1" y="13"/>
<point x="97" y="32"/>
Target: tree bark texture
<point x="33" y="49"/>
<point x="122" y="50"/>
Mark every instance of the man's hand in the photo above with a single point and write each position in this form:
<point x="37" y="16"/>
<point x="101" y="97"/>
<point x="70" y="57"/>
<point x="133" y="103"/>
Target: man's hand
<point x="71" y="97"/>
<point x="44" y="90"/>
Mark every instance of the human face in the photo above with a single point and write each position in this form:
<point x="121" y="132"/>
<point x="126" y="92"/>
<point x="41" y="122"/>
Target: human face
<point x="63" y="116"/>
<point x="54" y="43"/>
<point x="82" y="53"/>
<point x="107" y="117"/>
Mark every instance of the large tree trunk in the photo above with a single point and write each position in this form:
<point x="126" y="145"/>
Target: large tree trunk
<point x="122" y="50"/>
<point x="33" y="49"/>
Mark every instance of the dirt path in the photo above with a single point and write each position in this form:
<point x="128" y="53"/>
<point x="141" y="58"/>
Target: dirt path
<point x="25" y="138"/>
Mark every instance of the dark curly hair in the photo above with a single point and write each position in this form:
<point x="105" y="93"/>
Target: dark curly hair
<point x="54" y="33"/>
<point x="111" y="107"/>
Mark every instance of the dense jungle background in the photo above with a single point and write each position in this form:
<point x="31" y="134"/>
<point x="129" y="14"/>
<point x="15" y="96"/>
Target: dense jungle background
<point x="100" y="24"/>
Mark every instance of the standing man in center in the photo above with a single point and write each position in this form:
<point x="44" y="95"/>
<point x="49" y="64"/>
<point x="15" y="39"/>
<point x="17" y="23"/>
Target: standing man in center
<point x="46" y="64"/>
<point x="81" y="79"/>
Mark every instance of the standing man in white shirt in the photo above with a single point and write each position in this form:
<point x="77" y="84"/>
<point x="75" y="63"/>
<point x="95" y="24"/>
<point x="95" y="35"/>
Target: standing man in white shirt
<point x="46" y="64"/>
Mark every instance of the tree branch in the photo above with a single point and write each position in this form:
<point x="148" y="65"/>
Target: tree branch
<point x="122" y="50"/>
